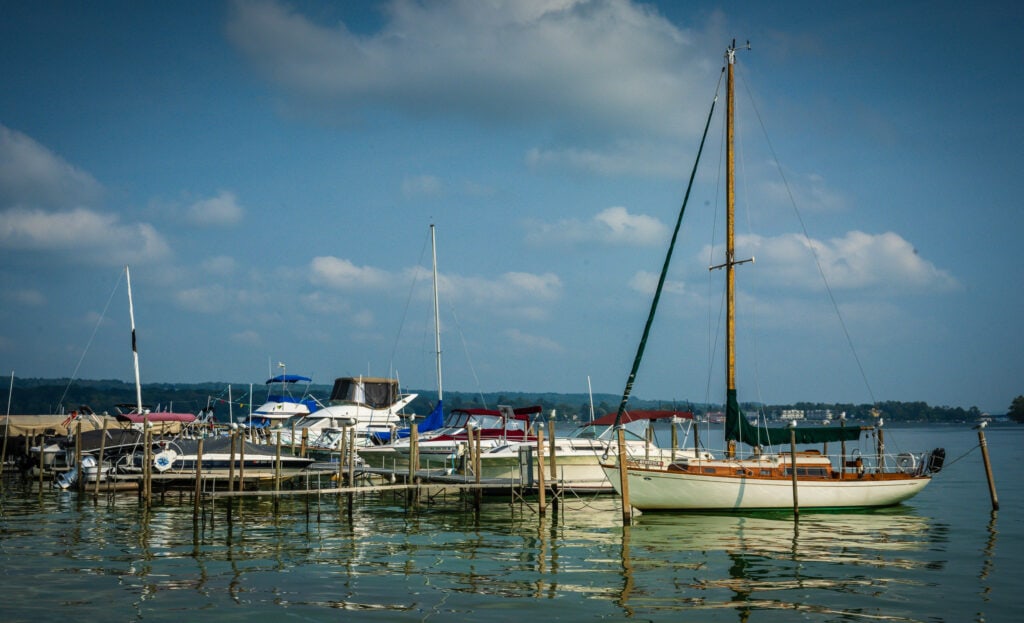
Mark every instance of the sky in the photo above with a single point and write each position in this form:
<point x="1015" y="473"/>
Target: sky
<point x="270" y="169"/>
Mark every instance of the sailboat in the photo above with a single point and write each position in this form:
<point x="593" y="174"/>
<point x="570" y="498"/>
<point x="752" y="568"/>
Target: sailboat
<point x="765" y="479"/>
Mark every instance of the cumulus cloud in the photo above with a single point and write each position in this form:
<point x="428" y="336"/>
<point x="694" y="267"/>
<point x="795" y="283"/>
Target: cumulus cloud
<point x="615" y="225"/>
<point x="858" y="260"/>
<point x="612" y="66"/>
<point x="216" y="211"/>
<point x="81" y="233"/>
<point x="32" y="175"/>
<point x="45" y="205"/>
<point x="342" y="274"/>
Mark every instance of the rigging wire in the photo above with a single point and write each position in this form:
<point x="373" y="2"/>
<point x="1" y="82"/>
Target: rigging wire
<point x="99" y="321"/>
<point x="814" y="253"/>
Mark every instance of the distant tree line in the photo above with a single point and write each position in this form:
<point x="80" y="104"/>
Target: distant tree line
<point x="37" y="396"/>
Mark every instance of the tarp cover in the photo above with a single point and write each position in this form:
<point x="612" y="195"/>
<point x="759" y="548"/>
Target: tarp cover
<point x="737" y="428"/>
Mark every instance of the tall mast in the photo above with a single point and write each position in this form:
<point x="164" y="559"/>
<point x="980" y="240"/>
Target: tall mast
<point x="730" y="203"/>
<point x="437" y="316"/>
<point x="135" y="352"/>
<point x="733" y="416"/>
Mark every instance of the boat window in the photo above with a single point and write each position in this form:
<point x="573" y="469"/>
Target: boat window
<point x="485" y="421"/>
<point x="709" y="470"/>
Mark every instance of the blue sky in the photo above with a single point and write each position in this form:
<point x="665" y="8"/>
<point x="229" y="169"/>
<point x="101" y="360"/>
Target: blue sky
<point x="270" y="169"/>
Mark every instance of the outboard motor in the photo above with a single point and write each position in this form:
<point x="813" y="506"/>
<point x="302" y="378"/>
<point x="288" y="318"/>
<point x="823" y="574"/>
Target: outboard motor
<point x="936" y="459"/>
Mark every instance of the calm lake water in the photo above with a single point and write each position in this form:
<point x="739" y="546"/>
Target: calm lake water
<point x="943" y="556"/>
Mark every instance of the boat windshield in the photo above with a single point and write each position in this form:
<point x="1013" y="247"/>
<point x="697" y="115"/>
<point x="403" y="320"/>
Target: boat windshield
<point x="635" y="431"/>
<point x="485" y="421"/>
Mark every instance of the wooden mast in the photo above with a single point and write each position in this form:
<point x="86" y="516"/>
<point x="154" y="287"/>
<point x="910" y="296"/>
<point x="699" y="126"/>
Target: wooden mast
<point x="732" y="402"/>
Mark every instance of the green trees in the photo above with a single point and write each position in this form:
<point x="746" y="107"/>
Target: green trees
<point x="1017" y="410"/>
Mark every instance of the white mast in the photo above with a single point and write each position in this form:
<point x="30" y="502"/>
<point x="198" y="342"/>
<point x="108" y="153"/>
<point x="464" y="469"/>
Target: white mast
<point x="437" y="317"/>
<point x="135" y="352"/>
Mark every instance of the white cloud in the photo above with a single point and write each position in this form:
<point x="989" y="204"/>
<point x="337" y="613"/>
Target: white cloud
<point x="533" y="342"/>
<point x="421" y="186"/>
<point x="615" y="225"/>
<point x="610" y="66"/>
<point x="340" y="273"/>
<point x="32" y="175"/>
<point x="81" y="234"/>
<point x="647" y="282"/>
<point x="856" y="261"/>
<point x="220" y="265"/>
<point x="216" y="211"/>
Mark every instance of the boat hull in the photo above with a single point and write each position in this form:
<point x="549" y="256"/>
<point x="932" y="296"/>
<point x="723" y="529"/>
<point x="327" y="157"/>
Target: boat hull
<point x="666" y="490"/>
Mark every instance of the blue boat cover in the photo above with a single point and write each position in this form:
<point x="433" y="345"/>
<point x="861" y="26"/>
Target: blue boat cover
<point x="289" y="378"/>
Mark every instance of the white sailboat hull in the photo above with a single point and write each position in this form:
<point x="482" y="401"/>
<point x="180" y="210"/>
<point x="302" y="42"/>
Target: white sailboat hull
<point x="664" y="490"/>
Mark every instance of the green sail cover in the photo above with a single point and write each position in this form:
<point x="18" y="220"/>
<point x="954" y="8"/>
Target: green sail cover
<point x="737" y="428"/>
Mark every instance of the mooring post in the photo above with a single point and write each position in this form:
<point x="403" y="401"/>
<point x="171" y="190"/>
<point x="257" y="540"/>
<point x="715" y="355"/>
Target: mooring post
<point x="99" y="462"/>
<point x="342" y="447"/>
<point x="554" y="465"/>
<point x="78" y="456"/>
<point x="627" y="517"/>
<point x="277" y="471"/>
<point x="541" y="504"/>
<point x="199" y="481"/>
<point x="351" y="457"/>
<point x="478" y="470"/>
<point x="988" y="466"/>
<point x="675" y="441"/>
<point x="792" y="467"/>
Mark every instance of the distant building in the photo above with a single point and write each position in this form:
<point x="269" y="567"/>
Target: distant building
<point x="791" y="414"/>
<point x="819" y="415"/>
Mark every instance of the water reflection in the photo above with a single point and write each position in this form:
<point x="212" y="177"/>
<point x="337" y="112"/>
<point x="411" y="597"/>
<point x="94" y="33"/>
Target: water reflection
<point x="444" y="560"/>
<point x="824" y="564"/>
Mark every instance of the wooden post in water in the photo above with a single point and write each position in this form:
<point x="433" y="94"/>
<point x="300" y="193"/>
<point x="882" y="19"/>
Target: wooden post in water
<point x="627" y="516"/>
<point x="469" y="461"/>
<point x="792" y="467"/>
<point x="413" y="459"/>
<point x="351" y="458"/>
<point x="842" y="449"/>
<point x="478" y="471"/>
<point x="541" y="488"/>
<point x="99" y="461"/>
<point x="305" y="441"/>
<point x="42" y="440"/>
<point x="277" y="469"/>
<point x="342" y="447"/>
<point x="241" y="463"/>
<point x="78" y="456"/>
<point x="988" y="466"/>
<point x="675" y="441"/>
<point x="197" y="494"/>
<point x="554" y="466"/>
<point x="231" y="464"/>
<point x="147" y="465"/>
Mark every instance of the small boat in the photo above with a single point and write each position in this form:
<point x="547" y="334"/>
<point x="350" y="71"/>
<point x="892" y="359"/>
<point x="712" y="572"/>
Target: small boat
<point x="281" y="405"/>
<point x="766" y="478"/>
<point x="493" y="427"/>
<point x="371" y="405"/>
<point x="579" y="454"/>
